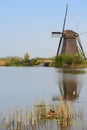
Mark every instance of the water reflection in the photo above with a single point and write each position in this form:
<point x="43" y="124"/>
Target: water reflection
<point x="69" y="84"/>
<point x="72" y="71"/>
<point x="69" y="88"/>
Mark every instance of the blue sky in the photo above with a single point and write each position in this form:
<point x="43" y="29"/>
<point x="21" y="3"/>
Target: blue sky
<point x="26" y="25"/>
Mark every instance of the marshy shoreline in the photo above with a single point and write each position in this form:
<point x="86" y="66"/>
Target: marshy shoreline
<point x="60" y="61"/>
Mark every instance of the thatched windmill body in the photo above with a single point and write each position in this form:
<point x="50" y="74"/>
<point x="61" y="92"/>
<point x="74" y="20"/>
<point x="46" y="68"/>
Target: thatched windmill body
<point x="69" y="41"/>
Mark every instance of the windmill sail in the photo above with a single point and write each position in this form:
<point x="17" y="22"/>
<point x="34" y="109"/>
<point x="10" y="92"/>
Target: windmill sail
<point x="81" y="48"/>
<point x="60" y="41"/>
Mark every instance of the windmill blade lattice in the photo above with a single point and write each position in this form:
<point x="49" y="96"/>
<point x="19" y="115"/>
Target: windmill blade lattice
<point x="60" y="41"/>
<point x="79" y="41"/>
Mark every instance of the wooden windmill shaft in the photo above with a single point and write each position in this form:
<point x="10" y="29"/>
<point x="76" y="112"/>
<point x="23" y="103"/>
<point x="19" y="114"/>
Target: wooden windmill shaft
<point x="69" y="44"/>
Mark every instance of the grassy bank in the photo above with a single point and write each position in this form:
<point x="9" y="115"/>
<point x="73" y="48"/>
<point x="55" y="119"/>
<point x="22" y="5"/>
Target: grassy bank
<point x="17" y="61"/>
<point x="61" y="61"/>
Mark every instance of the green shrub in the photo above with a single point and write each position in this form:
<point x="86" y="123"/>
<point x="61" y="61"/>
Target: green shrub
<point x="67" y="60"/>
<point x="78" y="59"/>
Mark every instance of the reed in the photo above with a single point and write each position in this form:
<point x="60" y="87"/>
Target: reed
<point x="41" y="114"/>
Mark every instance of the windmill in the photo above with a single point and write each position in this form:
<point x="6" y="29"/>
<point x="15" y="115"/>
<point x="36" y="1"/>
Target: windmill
<point x="69" y="41"/>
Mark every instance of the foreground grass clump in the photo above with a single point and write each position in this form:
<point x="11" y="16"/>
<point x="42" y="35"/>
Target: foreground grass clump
<point x="20" y="119"/>
<point x="62" y="113"/>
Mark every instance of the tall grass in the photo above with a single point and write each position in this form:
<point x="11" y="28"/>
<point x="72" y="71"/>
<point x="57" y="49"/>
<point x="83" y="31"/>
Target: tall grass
<point x="42" y="115"/>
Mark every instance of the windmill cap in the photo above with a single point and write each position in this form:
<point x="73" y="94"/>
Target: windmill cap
<point x="70" y="34"/>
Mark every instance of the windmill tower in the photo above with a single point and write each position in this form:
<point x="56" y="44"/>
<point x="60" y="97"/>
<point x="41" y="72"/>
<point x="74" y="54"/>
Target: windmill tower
<point x="69" y="41"/>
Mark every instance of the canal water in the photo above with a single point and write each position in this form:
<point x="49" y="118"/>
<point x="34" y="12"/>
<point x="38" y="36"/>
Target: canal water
<point x="23" y="86"/>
